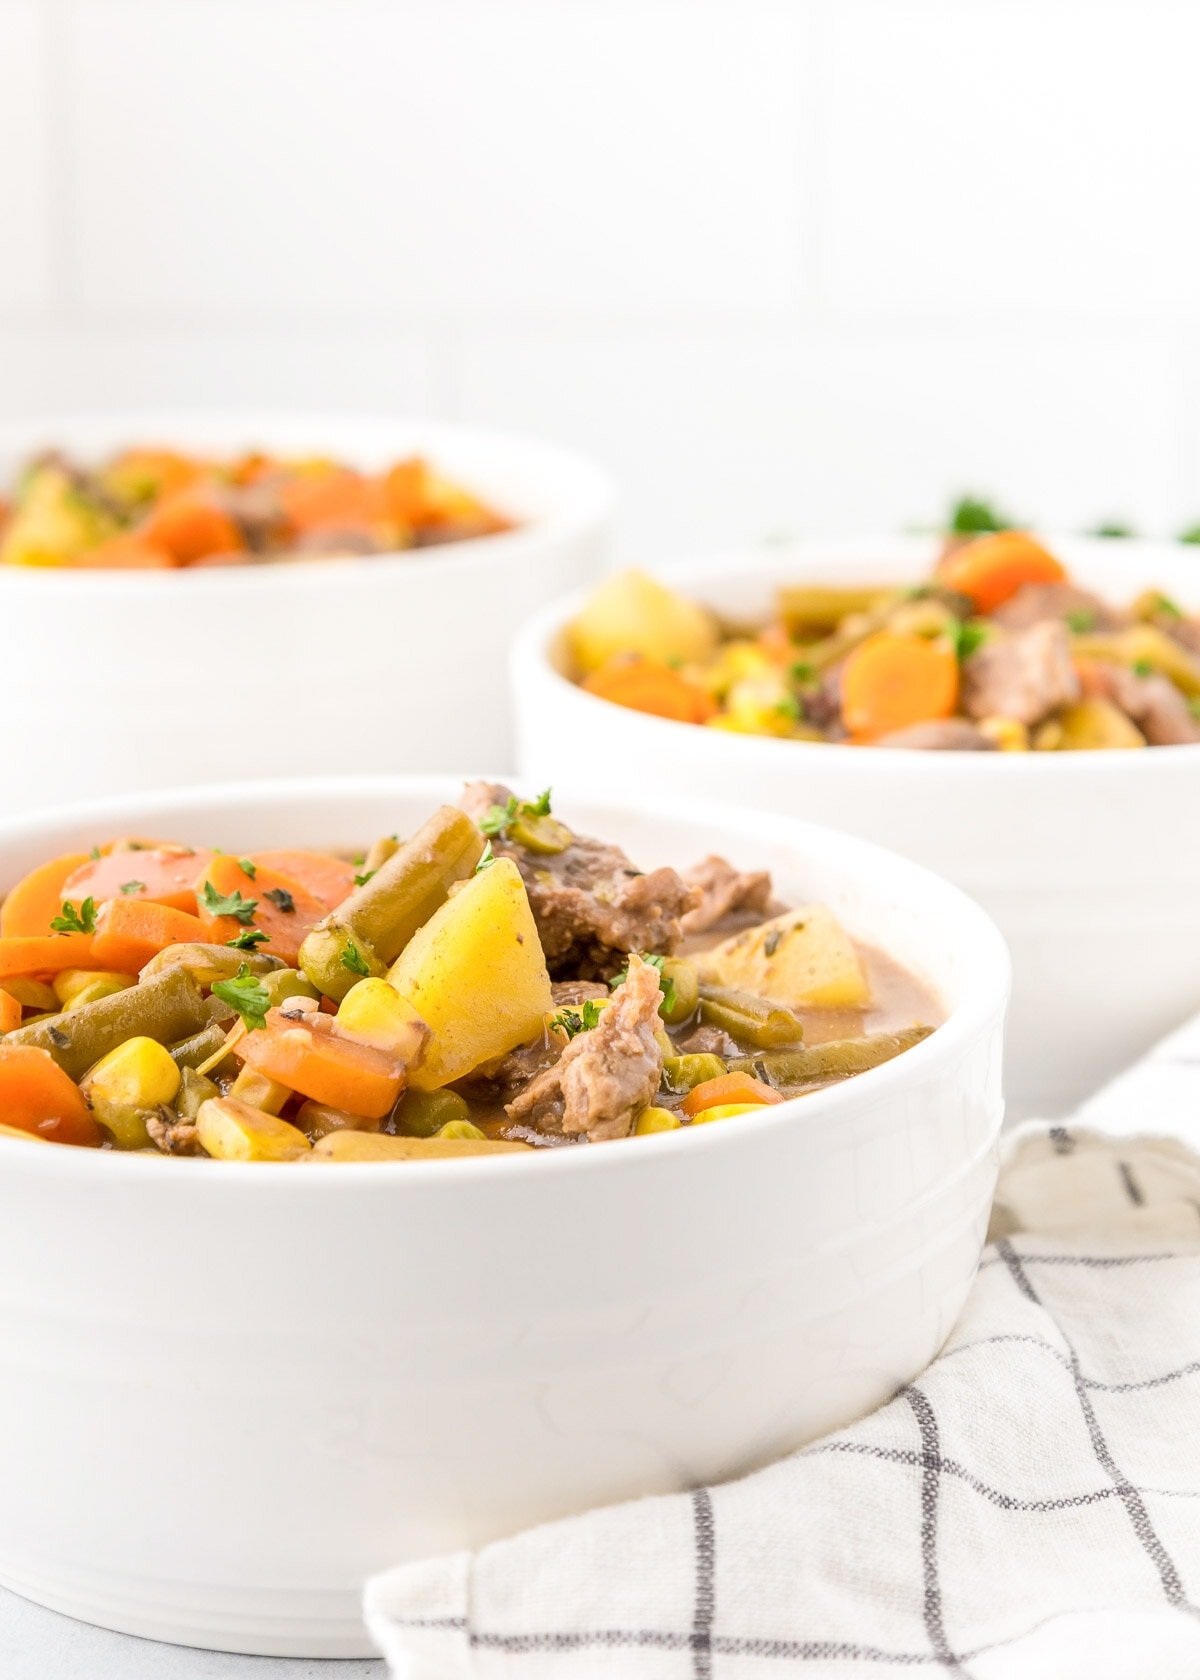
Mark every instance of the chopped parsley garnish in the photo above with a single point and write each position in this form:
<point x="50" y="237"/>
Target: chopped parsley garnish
<point x="501" y="817"/>
<point x="94" y="853"/>
<point x="486" y="860"/>
<point x="247" y="867"/>
<point x="1194" y="705"/>
<point x="361" y="879"/>
<point x="1113" y="528"/>
<point x="353" y="959"/>
<point x="71" y="920"/>
<point x="1191" y="535"/>
<point x="972" y="516"/>
<point x="574" y="1021"/>
<point x="132" y="886"/>
<point x="666" y="984"/>
<point x="282" y="899"/>
<point x="1081" y="620"/>
<point x="965" y="637"/>
<point x="1142" y="668"/>
<point x="1166" y="608"/>
<point x="802" y="672"/>
<point x="245" y="994"/>
<point x="229" y="904"/>
<point x="248" y="940"/>
<point x="359" y="859"/>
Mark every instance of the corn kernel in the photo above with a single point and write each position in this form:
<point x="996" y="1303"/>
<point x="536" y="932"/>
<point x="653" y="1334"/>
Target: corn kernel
<point x="374" y="1011"/>
<point x="259" y="1091"/>
<point x="137" y="1074"/>
<point x="1009" y="733"/>
<point x="233" y="1131"/>
<point x="72" y="981"/>
<point x="725" y="1111"/>
<point x="655" y="1120"/>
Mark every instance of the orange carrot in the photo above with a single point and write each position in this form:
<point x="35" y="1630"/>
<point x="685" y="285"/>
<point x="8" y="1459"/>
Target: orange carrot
<point x="890" y="681"/>
<point x="10" y="1012"/>
<point x="993" y="568"/>
<point x="38" y="896"/>
<point x="161" y="874"/>
<point x="644" y="685"/>
<point x="309" y="1055"/>
<point x="129" y="932"/>
<point x="126" y="553"/>
<point x="336" y="499"/>
<point x="1095" y="677"/>
<point x="777" y="644"/>
<point x="328" y="878"/>
<point x="190" y="525"/>
<point x="40" y="956"/>
<point x="37" y="1096"/>
<point x="284" y="910"/>
<point x="729" y="1088"/>
<point x="406" y="491"/>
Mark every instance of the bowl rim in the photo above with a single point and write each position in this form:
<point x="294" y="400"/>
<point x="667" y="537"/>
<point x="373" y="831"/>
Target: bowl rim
<point x="530" y="659"/>
<point x="986" y="992"/>
<point x="588" y="501"/>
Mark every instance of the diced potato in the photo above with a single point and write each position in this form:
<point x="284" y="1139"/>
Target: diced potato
<point x="1145" y="644"/>
<point x="476" y="975"/>
<point x="725" y="1111"/>
<point x="234" y="1131"/>
<point x="1009" y="733"/>
<point x="72" y="981"/>
<point x="802" y="958"/>
<point x="33" y="994"/>
<point x="260" y="1092"/>
<point x="633" y="613"/>
<point x="1090" y="725"/>
<point x="52" y="521"/>
<point x="656" y="1120"/>
<point x="374" y="1011"/>
<point x="378" y="1146"/>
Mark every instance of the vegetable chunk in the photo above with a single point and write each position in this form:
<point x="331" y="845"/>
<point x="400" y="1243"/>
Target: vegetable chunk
<point x="803" y="957"/>
<point x="234" y="1131"/>
<point x="633" y="613"/>
<point x="476" y="974"/>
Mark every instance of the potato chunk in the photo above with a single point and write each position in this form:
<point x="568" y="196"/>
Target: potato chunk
<point x="234" y="1131"/>
<point x="633" y="613"/>
<point x="804" y="957"/>
<point x="476" y="975"/>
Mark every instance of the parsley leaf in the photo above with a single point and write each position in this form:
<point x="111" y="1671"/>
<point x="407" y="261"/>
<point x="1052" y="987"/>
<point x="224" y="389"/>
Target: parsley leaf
<point x="1194" y="706"/>
<point x="71" y="920"/>
<point x="230" y="904"/>
<point x="802" y="672"/>
<point x="353" y="959"/>
<point x="1113" y="528"/>
<point x="1166" y="608"/>
<point x="245" y="994"/>
<point x="500" y="818"/>
<point x="1081" y="620"/>
<point x="281" y="898"/>
<point x="965" y="638"/>
<point x="94" y="853"/>
<point x="666" y="984"/>
<point x="486" y="860"/>
<point x="132" y="886"/>
<point x="574" y="1021"/>
<point x="362" y="879"/>
<point x="1142" y="668"/>
<point x="248" y="868"/>
<point x="972" y="516"/>
<point x="248" y="940"/>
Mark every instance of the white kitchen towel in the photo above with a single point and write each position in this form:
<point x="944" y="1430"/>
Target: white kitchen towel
<point x="1029" y="1507"/>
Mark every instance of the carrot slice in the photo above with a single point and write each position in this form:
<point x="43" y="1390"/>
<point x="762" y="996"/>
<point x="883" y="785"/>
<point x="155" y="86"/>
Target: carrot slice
<point x="336" y="499"/>
<point x="37" y="1096"/>
<point x="38" y="896"/>
<point x="991" y="569"/>
<point x="10" y="1012"/>
<point x="128" y="933"/>
<point x="890" y="681"/>
<point x="309" y="1055"/>
<point x="283" y="909"/>
<point x="39" y="956"/>
<point x="646" y="686"/>
<point x="189" y="525"/>
<point x="157" y="874"/>
<point x="329" y="879"/>
<point x="729" y="1088"/>
<point x="128" y="552"/>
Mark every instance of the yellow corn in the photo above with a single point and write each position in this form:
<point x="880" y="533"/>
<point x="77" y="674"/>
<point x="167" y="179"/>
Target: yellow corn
<point x="656" y="1120"/>
<point x="233" y="1131"/>
<point x="259" y="1091"/>
<point x="724" y="1111"/>
<point x="1009" y="733"/>
<point x="72" y="981"/>
<point x="137" y="1074"/>
<point x="374" y="1011"/>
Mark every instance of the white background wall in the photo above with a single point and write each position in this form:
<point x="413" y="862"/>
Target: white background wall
<point x="783" y="264"/>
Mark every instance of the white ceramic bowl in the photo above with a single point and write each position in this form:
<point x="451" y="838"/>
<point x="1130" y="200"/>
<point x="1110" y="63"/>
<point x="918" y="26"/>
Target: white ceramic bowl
<point x="116" y="682"/>
<point x="1087" y="861"/>
<point x="231" y="1392"/>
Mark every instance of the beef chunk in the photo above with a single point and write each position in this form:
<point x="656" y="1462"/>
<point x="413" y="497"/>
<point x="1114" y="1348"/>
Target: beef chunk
<point x="722" y="889"/>
<point x="709" y="1041"/>
<point x="604" y="1077"/>
<point x="1024" y="676"/>
<point x="944" y="735"/>
<point x="568" y="993"/>
<point x="591" y="906"/>
<point x="172" y="1135"/>
<point x="1156" y="706"/>
<point x="1036" y="602"/>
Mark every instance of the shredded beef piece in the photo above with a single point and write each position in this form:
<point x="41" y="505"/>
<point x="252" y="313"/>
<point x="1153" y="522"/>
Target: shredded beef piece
<point x="172" y="1135"/>
<point x="1035" y="602"/>
<point x="722" y="888"/>
<point x="1024" y="676"/>
<point x="604" y="1077"/>
<point x="709" y="1041"/>
<point x="591" y="906"/>
<point x="1155" y="705"/>
<point x="945" y="735"/>
<point x="567" y="993"/>
<point x="1185" y="631"/>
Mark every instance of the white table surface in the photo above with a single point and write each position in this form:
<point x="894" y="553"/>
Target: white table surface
<point x="37" y="1644"/>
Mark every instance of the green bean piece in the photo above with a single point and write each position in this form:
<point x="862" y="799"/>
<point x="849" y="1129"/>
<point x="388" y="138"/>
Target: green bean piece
<point x="167" y="1008"/>
<point x="751" y="1020"/>
<point x="424" y="1113"/>
<point x="368" y="931"/>
<point x="838" y="1058"/>
<point x="126" y="1125"/>
<point x="197" y="1048"/>
<point x="206" y="963"/>
<point x="809" y="608"/>
<point x="194" y="1089"/>
<point x="288" y="983"/>
<point x="385" y="847"/>
<point x="317" y="1120"/>
<point x="681" y="1074"/>
<point x="686" y="994"/>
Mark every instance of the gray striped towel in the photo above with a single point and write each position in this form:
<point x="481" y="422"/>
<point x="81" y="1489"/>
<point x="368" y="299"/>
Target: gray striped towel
<point x="1029" y="1508"/>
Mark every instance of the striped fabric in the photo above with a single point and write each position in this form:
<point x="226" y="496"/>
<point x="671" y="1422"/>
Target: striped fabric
<point x="1029" y="1508"/>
